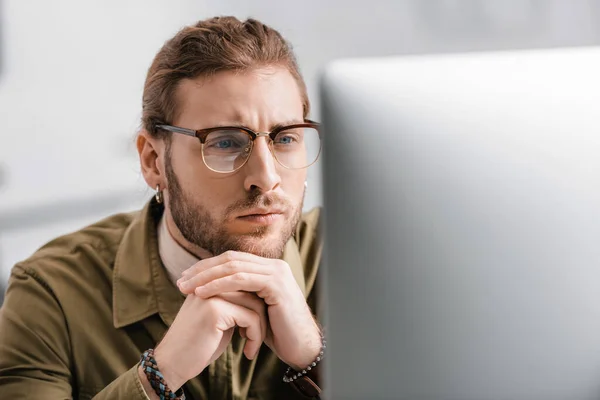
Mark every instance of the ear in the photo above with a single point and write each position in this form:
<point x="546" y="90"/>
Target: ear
<point x="151" y="151"/>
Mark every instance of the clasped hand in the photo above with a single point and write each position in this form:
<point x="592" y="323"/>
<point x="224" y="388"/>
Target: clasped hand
<point x="291" y="332"/>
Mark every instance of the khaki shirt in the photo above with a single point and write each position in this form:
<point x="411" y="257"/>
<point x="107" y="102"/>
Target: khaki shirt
<point x="79" y="313"/>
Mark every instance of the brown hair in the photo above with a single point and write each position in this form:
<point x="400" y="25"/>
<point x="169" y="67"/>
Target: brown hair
<point x="210" y="46"/>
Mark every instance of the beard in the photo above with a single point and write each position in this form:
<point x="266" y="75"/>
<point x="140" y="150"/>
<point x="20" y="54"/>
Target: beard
<point x="200" y="228"/>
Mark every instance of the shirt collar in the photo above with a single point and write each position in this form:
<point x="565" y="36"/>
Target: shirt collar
<point x="141" y="284"/>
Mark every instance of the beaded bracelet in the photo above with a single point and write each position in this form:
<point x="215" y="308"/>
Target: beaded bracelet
<point x="156" y="378"/>
<point x="287" y="378"/>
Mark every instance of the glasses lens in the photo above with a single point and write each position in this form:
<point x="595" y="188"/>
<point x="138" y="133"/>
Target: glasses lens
<point x="298" y="147"/>
<point x="226" y="150"/>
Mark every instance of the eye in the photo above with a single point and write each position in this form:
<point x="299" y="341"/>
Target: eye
<point x="285" y="139"/>
<point x="226" y="140"/>
<point x="224" y="144"/>
<point x="288" y="138"/>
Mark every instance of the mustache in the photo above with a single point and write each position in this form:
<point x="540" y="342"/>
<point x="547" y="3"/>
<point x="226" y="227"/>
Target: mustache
<point x="258" y="200"/>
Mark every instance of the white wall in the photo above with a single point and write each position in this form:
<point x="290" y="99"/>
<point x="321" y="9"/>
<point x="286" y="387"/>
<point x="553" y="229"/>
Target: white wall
<point x="72" y="71"/>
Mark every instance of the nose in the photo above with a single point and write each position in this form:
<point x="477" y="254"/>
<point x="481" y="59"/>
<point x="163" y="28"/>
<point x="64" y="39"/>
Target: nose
<point x="261" y="167"/>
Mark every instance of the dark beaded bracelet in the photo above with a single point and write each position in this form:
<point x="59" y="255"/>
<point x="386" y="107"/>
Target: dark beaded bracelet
<point x="156" y="378"/>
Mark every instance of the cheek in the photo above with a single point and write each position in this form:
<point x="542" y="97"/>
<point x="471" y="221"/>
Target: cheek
<point x="293" y="185"/>
<point x="213" y="194"/>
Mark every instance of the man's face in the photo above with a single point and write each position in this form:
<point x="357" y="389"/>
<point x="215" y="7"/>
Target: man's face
<point x="256" y="208"/>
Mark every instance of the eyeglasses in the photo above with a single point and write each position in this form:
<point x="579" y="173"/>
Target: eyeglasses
<point x="227" y="148"/>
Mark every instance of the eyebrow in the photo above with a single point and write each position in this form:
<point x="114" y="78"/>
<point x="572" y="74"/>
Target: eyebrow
<point x="272" y="128"/>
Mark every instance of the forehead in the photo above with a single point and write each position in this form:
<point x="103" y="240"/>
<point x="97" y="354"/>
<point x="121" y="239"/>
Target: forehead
<point x="255" y="98"/>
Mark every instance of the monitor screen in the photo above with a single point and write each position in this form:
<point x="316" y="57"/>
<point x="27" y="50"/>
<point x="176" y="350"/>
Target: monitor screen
<point x="462" y="220"/>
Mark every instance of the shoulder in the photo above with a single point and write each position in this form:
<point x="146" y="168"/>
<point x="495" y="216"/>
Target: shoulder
<point x="87" y="253"/>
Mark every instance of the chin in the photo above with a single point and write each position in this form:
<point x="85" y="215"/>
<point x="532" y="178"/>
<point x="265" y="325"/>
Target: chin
<point x="268" y="247"/>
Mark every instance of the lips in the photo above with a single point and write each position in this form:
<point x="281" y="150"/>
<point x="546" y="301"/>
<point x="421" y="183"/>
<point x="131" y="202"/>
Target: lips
<point x="258" y="212"/>
<point x="261" y="216"/>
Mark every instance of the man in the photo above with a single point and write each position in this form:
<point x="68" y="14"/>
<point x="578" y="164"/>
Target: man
<point x="209" y="291"/>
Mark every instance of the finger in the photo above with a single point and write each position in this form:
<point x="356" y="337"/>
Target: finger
<point x="189" y="283"/>
<point x="207" y="263"/>
<point x="250" y="321"/>
<point x="253" y="302"/>
<point x="200" y="266"/>
<point x="238" y="282"/>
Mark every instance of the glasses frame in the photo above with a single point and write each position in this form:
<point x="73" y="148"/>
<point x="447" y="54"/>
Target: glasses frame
<point x="202" y="134"/>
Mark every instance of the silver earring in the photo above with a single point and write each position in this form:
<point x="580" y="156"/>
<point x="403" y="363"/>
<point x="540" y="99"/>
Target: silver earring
<point x="159" y="195"/>
<point x="305" y="184"/>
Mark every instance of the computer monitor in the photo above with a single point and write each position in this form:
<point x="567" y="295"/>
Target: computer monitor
<point x="462" y="220"/>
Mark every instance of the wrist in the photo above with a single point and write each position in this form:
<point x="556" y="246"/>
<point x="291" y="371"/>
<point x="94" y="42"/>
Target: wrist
<point x="156" y="378"/>
<point x="307" y="379"/>
<point x="297" y="371"/>
<point x="148" y="390"/>
<point x="309" y="352"/>
<point x="169" y="370"/>
<point x="306" y="358"/>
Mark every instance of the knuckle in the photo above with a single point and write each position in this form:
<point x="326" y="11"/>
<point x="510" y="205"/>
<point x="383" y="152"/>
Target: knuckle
<point x="212" y="286"/>
<point x="198" y="267"/>
<point x="191" y="271"/>
<point x="233" y="266"/>
<point x="240" y="276"/>
<point x="229" y="255"/>
<point x="281" y="268"/>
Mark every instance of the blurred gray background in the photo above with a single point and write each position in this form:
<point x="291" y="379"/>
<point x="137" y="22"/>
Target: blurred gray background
<point x="72" y="71"/>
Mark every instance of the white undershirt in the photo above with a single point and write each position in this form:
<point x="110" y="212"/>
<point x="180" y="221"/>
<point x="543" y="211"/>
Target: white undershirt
<point x="174" y="257"/>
